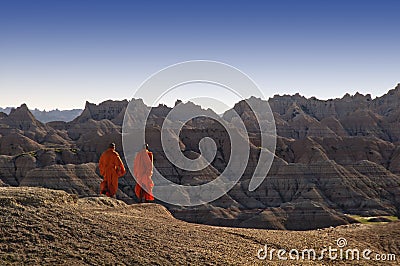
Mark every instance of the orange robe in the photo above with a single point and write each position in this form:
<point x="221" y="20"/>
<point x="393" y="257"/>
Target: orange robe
<point x="111" y="168"/>
<point x="143" y="170"/>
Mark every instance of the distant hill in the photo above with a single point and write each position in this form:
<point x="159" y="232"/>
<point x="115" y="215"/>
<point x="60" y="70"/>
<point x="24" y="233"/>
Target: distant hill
<point x="53" y="115"/>
<point x="6" y="110"/>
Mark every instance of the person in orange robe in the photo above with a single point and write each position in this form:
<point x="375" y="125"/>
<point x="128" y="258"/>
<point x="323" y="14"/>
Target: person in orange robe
<point x="111" y="168"/>
<point x="143" y="170"/>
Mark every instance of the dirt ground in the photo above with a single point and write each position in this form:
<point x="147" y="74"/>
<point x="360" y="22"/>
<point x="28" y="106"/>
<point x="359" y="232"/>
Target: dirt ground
<point x="48" y="227"/>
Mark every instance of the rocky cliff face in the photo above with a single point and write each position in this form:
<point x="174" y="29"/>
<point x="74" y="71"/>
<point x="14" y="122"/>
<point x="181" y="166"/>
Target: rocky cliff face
<point x="356" y="115"/>
<point x="332" y="157"/>
<point x="109" y="110"/>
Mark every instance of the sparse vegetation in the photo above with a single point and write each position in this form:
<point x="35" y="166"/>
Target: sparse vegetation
<point x="370" y="219"/>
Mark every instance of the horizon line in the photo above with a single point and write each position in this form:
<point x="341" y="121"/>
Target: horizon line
<point x="298" y="94"/>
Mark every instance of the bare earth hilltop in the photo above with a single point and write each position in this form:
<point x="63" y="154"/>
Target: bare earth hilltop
<point x="41" y="226"/>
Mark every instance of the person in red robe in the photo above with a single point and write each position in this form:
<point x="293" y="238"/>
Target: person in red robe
<point x="143" y="170"/>
<point x="111" y="168"/>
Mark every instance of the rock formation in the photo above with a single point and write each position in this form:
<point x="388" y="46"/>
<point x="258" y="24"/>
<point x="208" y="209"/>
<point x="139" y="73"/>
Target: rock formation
<point x="334" y="157"/>
<point x="48" y="116"/>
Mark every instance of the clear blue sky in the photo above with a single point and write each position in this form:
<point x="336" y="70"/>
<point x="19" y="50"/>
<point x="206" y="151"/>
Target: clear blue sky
<point x="58" y="54"/>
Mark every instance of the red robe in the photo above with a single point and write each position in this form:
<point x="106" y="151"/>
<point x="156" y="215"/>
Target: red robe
<point x="143" y="170"/>
<point x="111" y="168"/>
